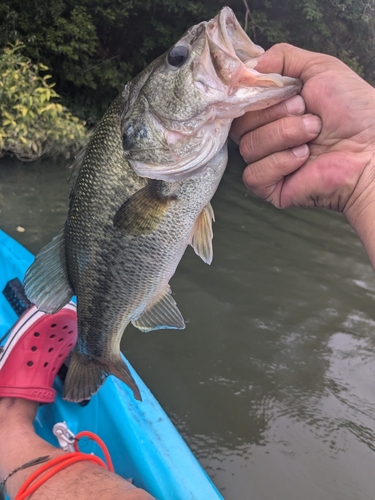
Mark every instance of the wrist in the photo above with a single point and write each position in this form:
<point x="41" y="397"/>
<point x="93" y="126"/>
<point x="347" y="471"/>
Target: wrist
<point x="360" y="210"/>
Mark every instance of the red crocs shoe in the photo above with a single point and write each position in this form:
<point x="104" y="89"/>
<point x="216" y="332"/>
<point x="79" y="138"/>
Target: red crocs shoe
<point x="37" y="346"/>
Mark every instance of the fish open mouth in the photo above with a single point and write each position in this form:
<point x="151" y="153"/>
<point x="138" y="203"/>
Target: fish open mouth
<point x="234" y="55"/>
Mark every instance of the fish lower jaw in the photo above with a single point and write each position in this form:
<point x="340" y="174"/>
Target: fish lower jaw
<point x="172" y="173"/>
<point x="184" y="167"/>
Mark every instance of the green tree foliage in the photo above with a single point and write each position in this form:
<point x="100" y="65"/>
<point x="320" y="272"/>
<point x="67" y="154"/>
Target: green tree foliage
<point x="94" y="48"/>
<point x="32" y="122"/>
<point x="342" y="28"/>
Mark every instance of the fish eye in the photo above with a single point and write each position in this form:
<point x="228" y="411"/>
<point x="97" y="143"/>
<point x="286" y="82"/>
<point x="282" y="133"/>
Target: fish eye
<point x="178" y="55"/>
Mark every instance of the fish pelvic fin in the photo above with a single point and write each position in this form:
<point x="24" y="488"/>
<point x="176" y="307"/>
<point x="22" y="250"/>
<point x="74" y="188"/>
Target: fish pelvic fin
<point x="46" y="280"/>
<point x="162" y="314"/>
<point x="142" y="213"/>
<point x="202" y="234"/>
<point x="86" y="375"/>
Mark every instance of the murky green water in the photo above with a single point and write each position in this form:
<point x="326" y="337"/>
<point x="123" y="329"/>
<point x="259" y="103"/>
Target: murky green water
<point x="273" y="381"/>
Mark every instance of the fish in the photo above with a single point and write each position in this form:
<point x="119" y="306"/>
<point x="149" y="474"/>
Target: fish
<point x="142" y="193"/>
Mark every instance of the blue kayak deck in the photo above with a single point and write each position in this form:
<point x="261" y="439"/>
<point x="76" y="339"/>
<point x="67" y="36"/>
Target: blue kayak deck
<point x="143" y="442"/>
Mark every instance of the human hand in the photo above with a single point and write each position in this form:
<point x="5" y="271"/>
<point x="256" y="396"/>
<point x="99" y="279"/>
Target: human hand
<point x="337" y="168"/>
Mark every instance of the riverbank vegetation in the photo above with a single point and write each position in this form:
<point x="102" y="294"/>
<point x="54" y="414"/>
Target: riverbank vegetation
<point x="93" y="48"/>
<point x="33" y="122"/>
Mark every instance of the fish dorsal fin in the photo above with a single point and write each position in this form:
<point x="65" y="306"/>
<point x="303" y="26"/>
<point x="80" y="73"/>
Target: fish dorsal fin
<point x="163" y="313"/>
<point x="46" y="281"/>
<point x="201" y="236"/>
<point x="143" y="212"/>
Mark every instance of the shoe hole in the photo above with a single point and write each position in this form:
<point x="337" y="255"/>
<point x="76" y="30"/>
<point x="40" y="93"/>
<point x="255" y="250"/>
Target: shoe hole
<point x="70" y="345"/>
<point x="52" y="336"/>
<point x="50" y="349"/>
<point x="34" y="348"/>
<point x="65" y="327"/>
<point x="54" y="368"/>
<point x="60" y="340"/>
<point x="29" y="363"/>
<point x="45" y="364"/>
<point x="71" y="331"/>
<point x="53" y="325"/>
<point x="60" y="355"/>
<point x="36" y="334"/>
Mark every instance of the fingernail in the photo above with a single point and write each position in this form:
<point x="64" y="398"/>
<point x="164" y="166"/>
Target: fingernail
<point x="301" y="151"/>
<point x="295" y="105"/>
<point x="312" y="124"/>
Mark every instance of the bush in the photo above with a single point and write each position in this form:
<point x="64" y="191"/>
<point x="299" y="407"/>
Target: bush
<point x="33" y="123"/>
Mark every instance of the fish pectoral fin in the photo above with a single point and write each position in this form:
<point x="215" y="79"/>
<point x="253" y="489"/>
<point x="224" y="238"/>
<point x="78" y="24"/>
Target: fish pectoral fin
<point x="201" y="236"/>
<point x="85" y="376"/>
<point x="163" y="313"/>
<point x="143" y="212"/>
<point x="46" y="280"/>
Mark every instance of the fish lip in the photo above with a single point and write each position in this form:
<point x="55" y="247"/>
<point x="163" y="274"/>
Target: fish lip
<point x="233" y="57"/>
<point x="230" y="48"/>
<point x="233" y="34"/>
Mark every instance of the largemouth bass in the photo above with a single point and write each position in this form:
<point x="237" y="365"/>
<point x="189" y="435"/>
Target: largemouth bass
<point x="143" y="192"/>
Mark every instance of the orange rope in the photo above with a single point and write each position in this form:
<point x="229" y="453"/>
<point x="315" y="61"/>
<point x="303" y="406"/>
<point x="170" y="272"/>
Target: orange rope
<point x="100" y="442"/>
<point x="59" y="463"/>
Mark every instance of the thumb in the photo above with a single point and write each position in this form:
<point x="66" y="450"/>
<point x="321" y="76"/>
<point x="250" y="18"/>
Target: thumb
<point x="288" y="60"/>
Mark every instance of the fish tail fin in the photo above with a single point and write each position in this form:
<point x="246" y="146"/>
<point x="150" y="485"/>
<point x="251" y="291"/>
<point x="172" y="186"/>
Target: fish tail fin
<point x="85" y="377"/>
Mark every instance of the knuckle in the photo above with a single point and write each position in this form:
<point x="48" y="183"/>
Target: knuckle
<point x="283" y="46"/>
<point x="255" y="178"/>
<point x="250" y="177"/>
<point x="269" y="114"/>
<point x="291" y="131"/>
<point x="273" y="161"/>
<point x="287" y="133"/>
<point x="246" y="147"/>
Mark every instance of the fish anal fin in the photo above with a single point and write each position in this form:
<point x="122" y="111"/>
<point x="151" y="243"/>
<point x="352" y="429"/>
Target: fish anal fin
<point x="201" y="236"/>
<point x="46" y="280"/>
<point x="86" y="375"/>
<point x="162" y="314"/>
<point x="143" y="212"/>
